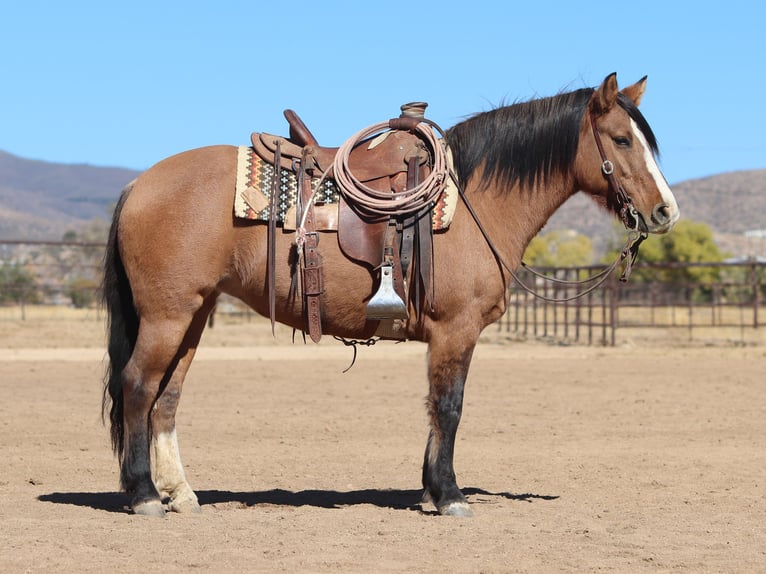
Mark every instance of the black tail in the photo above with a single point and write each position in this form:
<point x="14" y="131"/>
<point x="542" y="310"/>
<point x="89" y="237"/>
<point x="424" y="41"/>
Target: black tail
<point x="122" y="326"/>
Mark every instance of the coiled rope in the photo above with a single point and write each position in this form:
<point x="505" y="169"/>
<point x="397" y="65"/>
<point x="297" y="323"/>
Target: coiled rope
<point x="390" y="203"/>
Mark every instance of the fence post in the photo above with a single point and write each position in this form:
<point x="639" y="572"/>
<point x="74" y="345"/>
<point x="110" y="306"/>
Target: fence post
<point x="756" y="292"/>
<point x="604" y="295"/>
<point x="690" y="297"/>
<point x="613" y="309"/>
<point x="578" y="318"/>
<point x="22" y="303"/>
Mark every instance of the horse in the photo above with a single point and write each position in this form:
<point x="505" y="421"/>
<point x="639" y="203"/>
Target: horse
<point x="174" y="246"/>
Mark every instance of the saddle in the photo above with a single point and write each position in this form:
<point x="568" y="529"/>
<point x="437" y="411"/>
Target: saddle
<point x="382" y="158"/>
<point x="392" y="161"/>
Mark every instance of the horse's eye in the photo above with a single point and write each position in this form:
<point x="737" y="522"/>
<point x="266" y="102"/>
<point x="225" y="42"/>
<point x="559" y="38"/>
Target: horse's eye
<point x="621" y="141"/>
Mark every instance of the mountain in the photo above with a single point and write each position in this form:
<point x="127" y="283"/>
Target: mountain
<point x="41" y="200"/>
<point x="730" y="203"/>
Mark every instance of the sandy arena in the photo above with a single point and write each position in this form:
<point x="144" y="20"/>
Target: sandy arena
<point x="575" y="459"/>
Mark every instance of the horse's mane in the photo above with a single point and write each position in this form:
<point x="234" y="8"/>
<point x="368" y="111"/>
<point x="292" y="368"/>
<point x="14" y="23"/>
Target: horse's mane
<point x="529" y="141"/>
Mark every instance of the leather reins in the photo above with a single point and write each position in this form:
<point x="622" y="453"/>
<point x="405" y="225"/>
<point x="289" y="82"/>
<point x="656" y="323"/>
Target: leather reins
<point x="628" y="253"/>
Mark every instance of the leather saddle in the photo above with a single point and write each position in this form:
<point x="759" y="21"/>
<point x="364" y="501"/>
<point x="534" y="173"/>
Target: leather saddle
<point x="380" y="162"/>
<point x="389" y="161"/>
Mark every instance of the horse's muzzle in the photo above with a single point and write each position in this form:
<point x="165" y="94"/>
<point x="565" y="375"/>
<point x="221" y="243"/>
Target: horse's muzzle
<point x="664" y="216"/>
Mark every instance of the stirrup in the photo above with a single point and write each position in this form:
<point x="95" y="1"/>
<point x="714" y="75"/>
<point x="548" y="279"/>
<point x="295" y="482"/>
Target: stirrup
<point x="386" y="303"/>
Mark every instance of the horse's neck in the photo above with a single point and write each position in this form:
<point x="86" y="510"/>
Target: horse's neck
<point x="513" y="218"/>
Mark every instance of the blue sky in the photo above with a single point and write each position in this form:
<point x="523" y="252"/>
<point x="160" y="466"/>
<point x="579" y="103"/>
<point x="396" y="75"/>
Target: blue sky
<point x="129" y="83"/>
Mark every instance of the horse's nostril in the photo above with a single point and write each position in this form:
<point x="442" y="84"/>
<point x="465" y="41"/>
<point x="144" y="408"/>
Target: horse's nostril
<point x="661" y="214"/>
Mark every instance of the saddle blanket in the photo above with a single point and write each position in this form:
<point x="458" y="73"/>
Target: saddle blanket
<point x="255" y="180"/>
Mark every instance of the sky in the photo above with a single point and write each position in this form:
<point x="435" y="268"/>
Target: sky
<point x="127" y="84"/>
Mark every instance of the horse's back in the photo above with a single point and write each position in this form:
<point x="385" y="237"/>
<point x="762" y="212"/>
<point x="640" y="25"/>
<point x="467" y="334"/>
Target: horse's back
<point x="194" y="177"/>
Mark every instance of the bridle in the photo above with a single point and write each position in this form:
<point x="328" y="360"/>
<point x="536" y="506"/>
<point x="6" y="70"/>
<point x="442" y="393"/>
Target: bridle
<point x="626" y="211"/>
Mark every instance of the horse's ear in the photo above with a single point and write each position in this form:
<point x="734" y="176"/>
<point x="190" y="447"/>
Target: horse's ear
<point x="605" y="95"/>
<point x="636" y="91"/>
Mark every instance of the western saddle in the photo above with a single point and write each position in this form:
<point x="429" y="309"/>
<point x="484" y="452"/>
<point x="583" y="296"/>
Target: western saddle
<point x="398" y="244"/>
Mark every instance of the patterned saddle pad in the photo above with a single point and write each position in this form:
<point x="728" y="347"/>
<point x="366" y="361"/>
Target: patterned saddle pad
<point x="254" y="183"/>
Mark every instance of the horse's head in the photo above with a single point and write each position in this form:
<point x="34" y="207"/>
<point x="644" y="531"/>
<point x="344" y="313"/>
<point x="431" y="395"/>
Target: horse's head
<point x="616" y="159"/>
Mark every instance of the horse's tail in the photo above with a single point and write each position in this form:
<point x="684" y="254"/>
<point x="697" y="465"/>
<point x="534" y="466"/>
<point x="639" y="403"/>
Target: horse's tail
<point x="122" y="327"/>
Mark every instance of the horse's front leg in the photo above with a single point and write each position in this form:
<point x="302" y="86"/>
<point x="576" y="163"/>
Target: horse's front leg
<point x="447" y="370"/>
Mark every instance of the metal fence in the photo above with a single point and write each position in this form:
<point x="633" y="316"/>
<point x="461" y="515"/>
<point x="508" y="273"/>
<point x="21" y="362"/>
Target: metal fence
<point x="48" y="274"/>
<point x="698" y="301"/>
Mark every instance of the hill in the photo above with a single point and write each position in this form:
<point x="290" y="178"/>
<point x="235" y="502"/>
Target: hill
<point x="730" y="203"/>
<point x="41" y="200"/>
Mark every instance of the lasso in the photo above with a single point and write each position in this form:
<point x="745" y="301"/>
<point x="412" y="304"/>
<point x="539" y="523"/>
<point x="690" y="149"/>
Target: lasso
<point x="391" y="202"/>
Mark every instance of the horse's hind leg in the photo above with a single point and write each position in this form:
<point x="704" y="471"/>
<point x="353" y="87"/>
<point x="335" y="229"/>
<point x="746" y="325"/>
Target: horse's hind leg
<point x="158" y="351"/>
<point x="168" y="471"/>
<point x="447" y="370"/>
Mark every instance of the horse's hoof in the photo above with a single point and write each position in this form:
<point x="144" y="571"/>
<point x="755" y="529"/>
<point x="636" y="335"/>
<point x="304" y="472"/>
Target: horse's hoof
<point x="460" y="509"/>
<point x="185" y="506"/>
<point x="149" y="508"/>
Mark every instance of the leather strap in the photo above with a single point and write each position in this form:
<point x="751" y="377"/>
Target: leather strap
<point x="407" y="243"/>
<point x="392" y="257"/>
<point x="417" y="246"/>
<point x="625" y="208"/>
<point x="311" y="270"/>
<point x="425" y="255"/>
<point x="313" y="284"/>
<point x="271" y="238"/>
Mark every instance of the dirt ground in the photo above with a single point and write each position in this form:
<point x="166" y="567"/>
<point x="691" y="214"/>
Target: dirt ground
<point x="575" y="459"/>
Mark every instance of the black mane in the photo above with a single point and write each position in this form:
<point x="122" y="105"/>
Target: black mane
<point x="527" y="142"/>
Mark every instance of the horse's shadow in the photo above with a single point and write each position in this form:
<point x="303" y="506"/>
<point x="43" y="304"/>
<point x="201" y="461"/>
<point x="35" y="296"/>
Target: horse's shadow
<point x="383" y="498"/>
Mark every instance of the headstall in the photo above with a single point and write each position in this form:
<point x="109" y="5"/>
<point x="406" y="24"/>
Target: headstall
<point x="627" y="213"/>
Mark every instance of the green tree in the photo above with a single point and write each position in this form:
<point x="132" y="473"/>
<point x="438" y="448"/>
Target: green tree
<point x="82" y="291"/>
<point x="17" y="285"/>
<point x="559" y="248"/>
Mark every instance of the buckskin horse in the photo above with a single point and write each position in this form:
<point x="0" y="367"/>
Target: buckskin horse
<point x="174" y="246"/>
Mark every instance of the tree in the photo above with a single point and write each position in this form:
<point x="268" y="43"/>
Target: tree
<point x="17" y="285"/>
<point x="82" y="291"/>
<point x="559" y="248"/>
